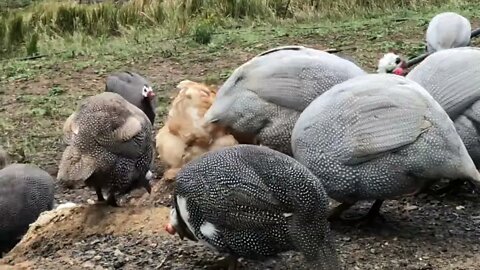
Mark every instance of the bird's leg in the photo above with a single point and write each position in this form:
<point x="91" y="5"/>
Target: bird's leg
<point x="100" y="197"/>
<point x="111" y="200"/>
<point x="452" y="187"/>
<point x="337" y="211"/>
<point x="229" y="262"/>
<point x="374" y="212"/>
<point x="370" y="218"/>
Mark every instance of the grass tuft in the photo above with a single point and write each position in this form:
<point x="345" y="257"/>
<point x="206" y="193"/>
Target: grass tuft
<point x="53" y="18"/>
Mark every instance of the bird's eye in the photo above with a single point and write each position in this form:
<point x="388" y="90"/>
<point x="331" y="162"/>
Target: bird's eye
<point x="398" y="60"/>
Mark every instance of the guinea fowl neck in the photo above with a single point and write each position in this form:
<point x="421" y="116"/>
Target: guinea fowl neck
<point x="149" y="111"/>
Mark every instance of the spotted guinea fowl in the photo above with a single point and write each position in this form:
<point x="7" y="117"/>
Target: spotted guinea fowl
<point x="452" y="77"/>
<point x="109" y="146"/>
<point x="253" y="202"/>
<point x="377" y="137"/>
<point x="25" y="192"/>
<point x="448" y="30"/>
<point x="264" y="96"/>
<point x="135" y="89"/>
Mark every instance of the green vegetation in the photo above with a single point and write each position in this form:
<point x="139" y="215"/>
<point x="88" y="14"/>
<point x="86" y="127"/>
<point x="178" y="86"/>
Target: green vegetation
<point x="52" y="18"/>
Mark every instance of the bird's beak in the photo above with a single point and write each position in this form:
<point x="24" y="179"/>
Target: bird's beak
<point x="150" y="94"/>
<point x="170" y="229"/>
<point x="398" y="71"/>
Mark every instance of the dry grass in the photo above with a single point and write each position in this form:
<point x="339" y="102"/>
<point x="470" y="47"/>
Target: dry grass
<point x="20" y="30"/>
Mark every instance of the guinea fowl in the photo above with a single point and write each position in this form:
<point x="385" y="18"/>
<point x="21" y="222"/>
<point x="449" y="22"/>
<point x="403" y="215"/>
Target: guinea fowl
<point x="135" y="89"/>
<point x="448" y="30"/>
<point x="265" y="96"/>
<point x="253" y="202"/>
<point x="109" y="146"/>
<point x="377" y="137"/>
<point x="452" y="77"/>
<point x="25" y="192"/>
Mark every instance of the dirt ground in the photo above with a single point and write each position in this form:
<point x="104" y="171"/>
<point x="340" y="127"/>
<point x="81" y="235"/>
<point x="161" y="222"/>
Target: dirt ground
<point x="423" y="232"/>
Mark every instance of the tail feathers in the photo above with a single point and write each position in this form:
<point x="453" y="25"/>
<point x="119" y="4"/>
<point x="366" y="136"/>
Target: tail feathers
<point x="75" y="166"/>
<point x="326" y="257"/>
<point x="313" y="239"/>
<point x="470" y="171"/>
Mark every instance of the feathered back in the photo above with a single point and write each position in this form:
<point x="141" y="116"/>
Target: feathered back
<point x="25" y="192"/>
<point x="368" y="121"/>
<point x="192" y="94"/>
<point x="448" y="30"/>
<point x="452" y="77"/>
<point x="104" y="127"/>
<point x="288" y="77"/>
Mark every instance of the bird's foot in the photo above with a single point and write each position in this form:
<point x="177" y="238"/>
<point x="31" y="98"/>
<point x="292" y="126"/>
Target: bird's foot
<point x="227" y="263"/>
<point x="368" y="220"/>
<point x="100" y="197"/>
<point x="453" y="187"/>
<point x="371" y="219"/>
<point x="336" y="213"/>
<point x="112" y="201"/>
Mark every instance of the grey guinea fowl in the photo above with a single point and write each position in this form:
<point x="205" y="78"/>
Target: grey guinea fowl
<point x="264" y="96"/>
<point x="135" y="89"/>
<point x="452" y="77"/>
<point x="109" y="146"/>
<point x="377" y="137"/>
<point x="25" y="192"/>
<point x="253" y="202"/>
<point x="448" y="30"/>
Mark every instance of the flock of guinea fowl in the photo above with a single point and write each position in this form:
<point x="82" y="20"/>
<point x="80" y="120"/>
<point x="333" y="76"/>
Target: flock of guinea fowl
<point x="254" y="162"/>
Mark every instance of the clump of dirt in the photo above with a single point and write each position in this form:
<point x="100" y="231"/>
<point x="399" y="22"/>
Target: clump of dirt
<point x="58" y="228"/>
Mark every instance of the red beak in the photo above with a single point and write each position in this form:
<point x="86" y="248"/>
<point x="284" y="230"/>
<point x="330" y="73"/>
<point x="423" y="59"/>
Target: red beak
<point x="170" y="229"/>
<point x="398" y="71"/>
<point x="150" y="94"/>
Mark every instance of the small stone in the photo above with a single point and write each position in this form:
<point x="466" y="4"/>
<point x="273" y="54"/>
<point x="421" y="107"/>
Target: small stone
<point x="411" y="207"/>
<point x="346" y="239"/>
<point x="88" y="264"/>
<point x="118" y="253"/>
<point x="97" y="258"/>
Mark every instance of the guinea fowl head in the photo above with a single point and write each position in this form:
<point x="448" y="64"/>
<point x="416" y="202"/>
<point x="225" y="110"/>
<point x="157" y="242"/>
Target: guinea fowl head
<point x="147" y="92"/>
<point x="392" y="63"/>
<point x="177" y="225"/>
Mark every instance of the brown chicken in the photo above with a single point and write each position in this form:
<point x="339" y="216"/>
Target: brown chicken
<point x="184" y="135"/>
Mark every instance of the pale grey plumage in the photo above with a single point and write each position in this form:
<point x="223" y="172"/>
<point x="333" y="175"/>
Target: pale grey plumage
<point x="448" y="30"/>
<point x="452" y="77"/>
<point x="264" y="96"/>
<point x="25" y="192"/>
<point x="109" y="146"/>
<point x="254" y="202"/>
<point x="379" y="136"/>
<point x="130" y="85"/>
